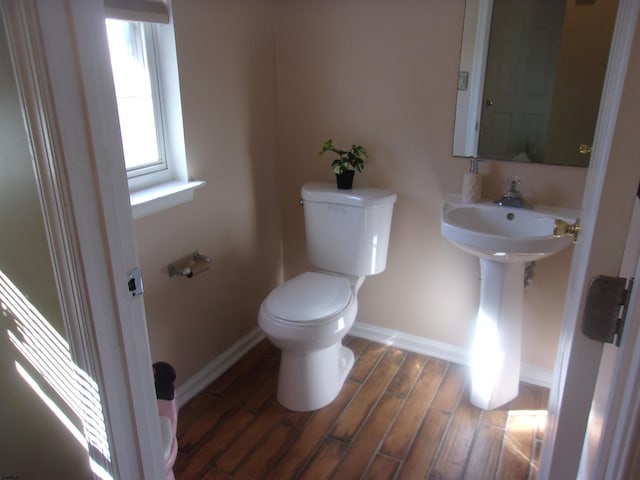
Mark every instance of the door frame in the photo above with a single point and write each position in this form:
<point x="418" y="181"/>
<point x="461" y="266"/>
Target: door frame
<point x="616" y="423"/>
<point x="610" y="187"/>
<point x="70" y="115"/>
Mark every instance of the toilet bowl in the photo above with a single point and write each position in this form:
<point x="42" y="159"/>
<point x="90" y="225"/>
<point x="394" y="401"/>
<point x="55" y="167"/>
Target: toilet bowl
<point x="347" y="233"/>
<point x="307" y="317"/>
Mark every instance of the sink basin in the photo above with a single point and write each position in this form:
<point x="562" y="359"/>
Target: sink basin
<point x="504" y="234"/>
<point x="504" y="239"/>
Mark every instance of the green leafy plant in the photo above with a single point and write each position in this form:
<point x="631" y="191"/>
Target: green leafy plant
<point x="352" y="159"/>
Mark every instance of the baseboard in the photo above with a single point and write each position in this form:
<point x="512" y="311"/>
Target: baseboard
<point x="217" y="366"/>
<point x="451" y="353"/>
<point x="412" y="343"/>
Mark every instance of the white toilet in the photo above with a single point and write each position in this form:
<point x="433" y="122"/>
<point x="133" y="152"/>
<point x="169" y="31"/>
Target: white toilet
<point x="308" y="315"/>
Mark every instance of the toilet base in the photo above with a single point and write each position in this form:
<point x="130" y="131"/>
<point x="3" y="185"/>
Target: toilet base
<point x="309" y="380"/>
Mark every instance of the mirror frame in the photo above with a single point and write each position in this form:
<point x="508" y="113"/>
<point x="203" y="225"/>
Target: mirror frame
<point x="476" y="31"/>
<point x="474" y="51"/>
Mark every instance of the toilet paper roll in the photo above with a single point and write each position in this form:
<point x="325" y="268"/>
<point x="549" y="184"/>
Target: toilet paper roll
<point x="471" y="187"/>
<point x="199" y="266"/>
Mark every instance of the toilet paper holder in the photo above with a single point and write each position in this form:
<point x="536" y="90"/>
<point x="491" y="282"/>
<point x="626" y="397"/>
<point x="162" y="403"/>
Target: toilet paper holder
<point x="189" y="266"/>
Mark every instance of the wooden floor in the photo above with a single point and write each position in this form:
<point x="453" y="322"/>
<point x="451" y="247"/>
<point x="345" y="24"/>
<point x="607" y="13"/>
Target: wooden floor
<point x="400" y="415"/>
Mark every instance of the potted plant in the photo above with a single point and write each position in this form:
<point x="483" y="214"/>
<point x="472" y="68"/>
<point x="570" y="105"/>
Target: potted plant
<point x="347" y="163"/>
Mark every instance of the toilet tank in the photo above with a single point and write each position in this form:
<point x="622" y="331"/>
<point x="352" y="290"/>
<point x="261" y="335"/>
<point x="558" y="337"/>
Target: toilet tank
<point x="347" y="230"/>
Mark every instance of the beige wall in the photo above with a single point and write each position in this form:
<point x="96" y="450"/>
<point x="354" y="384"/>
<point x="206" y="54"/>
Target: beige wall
<point x="263" y="85"/>
<point x="384" y="75"/>
<point x="226" y="58"/>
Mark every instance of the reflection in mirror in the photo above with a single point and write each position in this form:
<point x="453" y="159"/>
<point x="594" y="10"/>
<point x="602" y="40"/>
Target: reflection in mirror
<point x="531" y="77"/>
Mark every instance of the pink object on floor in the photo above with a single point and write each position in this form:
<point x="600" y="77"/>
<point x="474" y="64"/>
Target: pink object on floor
<point x="164" y="376"/>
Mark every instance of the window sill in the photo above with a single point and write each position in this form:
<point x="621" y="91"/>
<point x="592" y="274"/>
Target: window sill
<point x="161" y="197"/>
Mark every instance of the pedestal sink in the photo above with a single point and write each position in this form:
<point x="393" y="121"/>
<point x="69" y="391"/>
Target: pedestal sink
<point x="504" y="239"/>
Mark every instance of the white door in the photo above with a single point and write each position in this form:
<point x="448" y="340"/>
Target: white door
<point x="60" y="59"/>
<point x="520" y="74"/>
<point x="606" y="212"/>
<point x="36" y="417"/>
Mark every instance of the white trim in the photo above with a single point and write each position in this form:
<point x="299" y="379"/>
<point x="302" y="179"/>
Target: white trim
<point x="63" y="77"/>
<point x="476" y="32"/>
<point x="617" y="446"/>
<point x="122" y="339"/>
<point x="596" y="252"/>
<point x="451" y="353"/>
<point x="412" y="343"/>
<point x="220" y="364"/>
<point x="160" y="197"/>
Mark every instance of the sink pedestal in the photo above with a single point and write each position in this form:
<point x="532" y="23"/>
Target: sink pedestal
<point x="504" y="239"/>
<point x="495" y="355"/>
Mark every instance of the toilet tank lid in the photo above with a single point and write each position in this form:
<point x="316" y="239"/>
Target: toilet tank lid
<point x="359" y="197"/>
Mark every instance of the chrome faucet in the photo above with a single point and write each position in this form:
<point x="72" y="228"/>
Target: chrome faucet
<point x="512" y="197"/>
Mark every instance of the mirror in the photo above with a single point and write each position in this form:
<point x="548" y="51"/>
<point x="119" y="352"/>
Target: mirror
<point x="530" y="79"/>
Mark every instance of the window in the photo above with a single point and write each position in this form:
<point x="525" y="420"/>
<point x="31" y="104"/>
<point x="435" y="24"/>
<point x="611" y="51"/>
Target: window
<point x="145" y="73"/>
<point x="137" y="95"/>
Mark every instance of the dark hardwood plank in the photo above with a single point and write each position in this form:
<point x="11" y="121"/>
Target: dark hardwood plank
<point x="192" y="411"/>
<point x="528" y="398"/>
<point x="263" y="383"/>
<point x="213" y="475"/>
<point x="382" y="468"/>
<point x="208" y="419"/>
<point x="364" y="447"/>
<point x="357" y="345"/>
<point x="494" y="418"/>
<point x="424" y="447"/>
<point x="485" y="454"/>
<point x="367" y="397"/>
<point x="543" y="403"/>
<point x="451" y="388"/>
<point x="219" y="439"/>
<point x="457" y="442"/>
<point x="517" y="448"/>
<point x="297" y="419"/>
<point x="400" y="415"/>
<point x="261" y="460"/>
<point x="409" y="372"/>
<point x="250" y="437"/>
<point x="243" y="388"/>
<point x="325" y="460"/>
<point x="311" y="436"/>
<point x="404" y="429"/>
<point x="366" y="361"/>
<point x="244" y="366"/>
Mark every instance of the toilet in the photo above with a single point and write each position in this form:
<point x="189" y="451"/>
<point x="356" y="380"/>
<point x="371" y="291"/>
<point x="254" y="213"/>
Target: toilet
<point x="307" y="317"/>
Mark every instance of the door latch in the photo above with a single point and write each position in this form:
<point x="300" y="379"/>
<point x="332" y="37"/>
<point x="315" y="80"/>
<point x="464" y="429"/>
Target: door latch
<point x="606" y="308"/>
<point x="134" y="282"/>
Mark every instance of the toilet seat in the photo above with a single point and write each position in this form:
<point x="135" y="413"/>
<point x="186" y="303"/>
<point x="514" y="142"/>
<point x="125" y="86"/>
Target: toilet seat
<point x="309" y="299"/>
